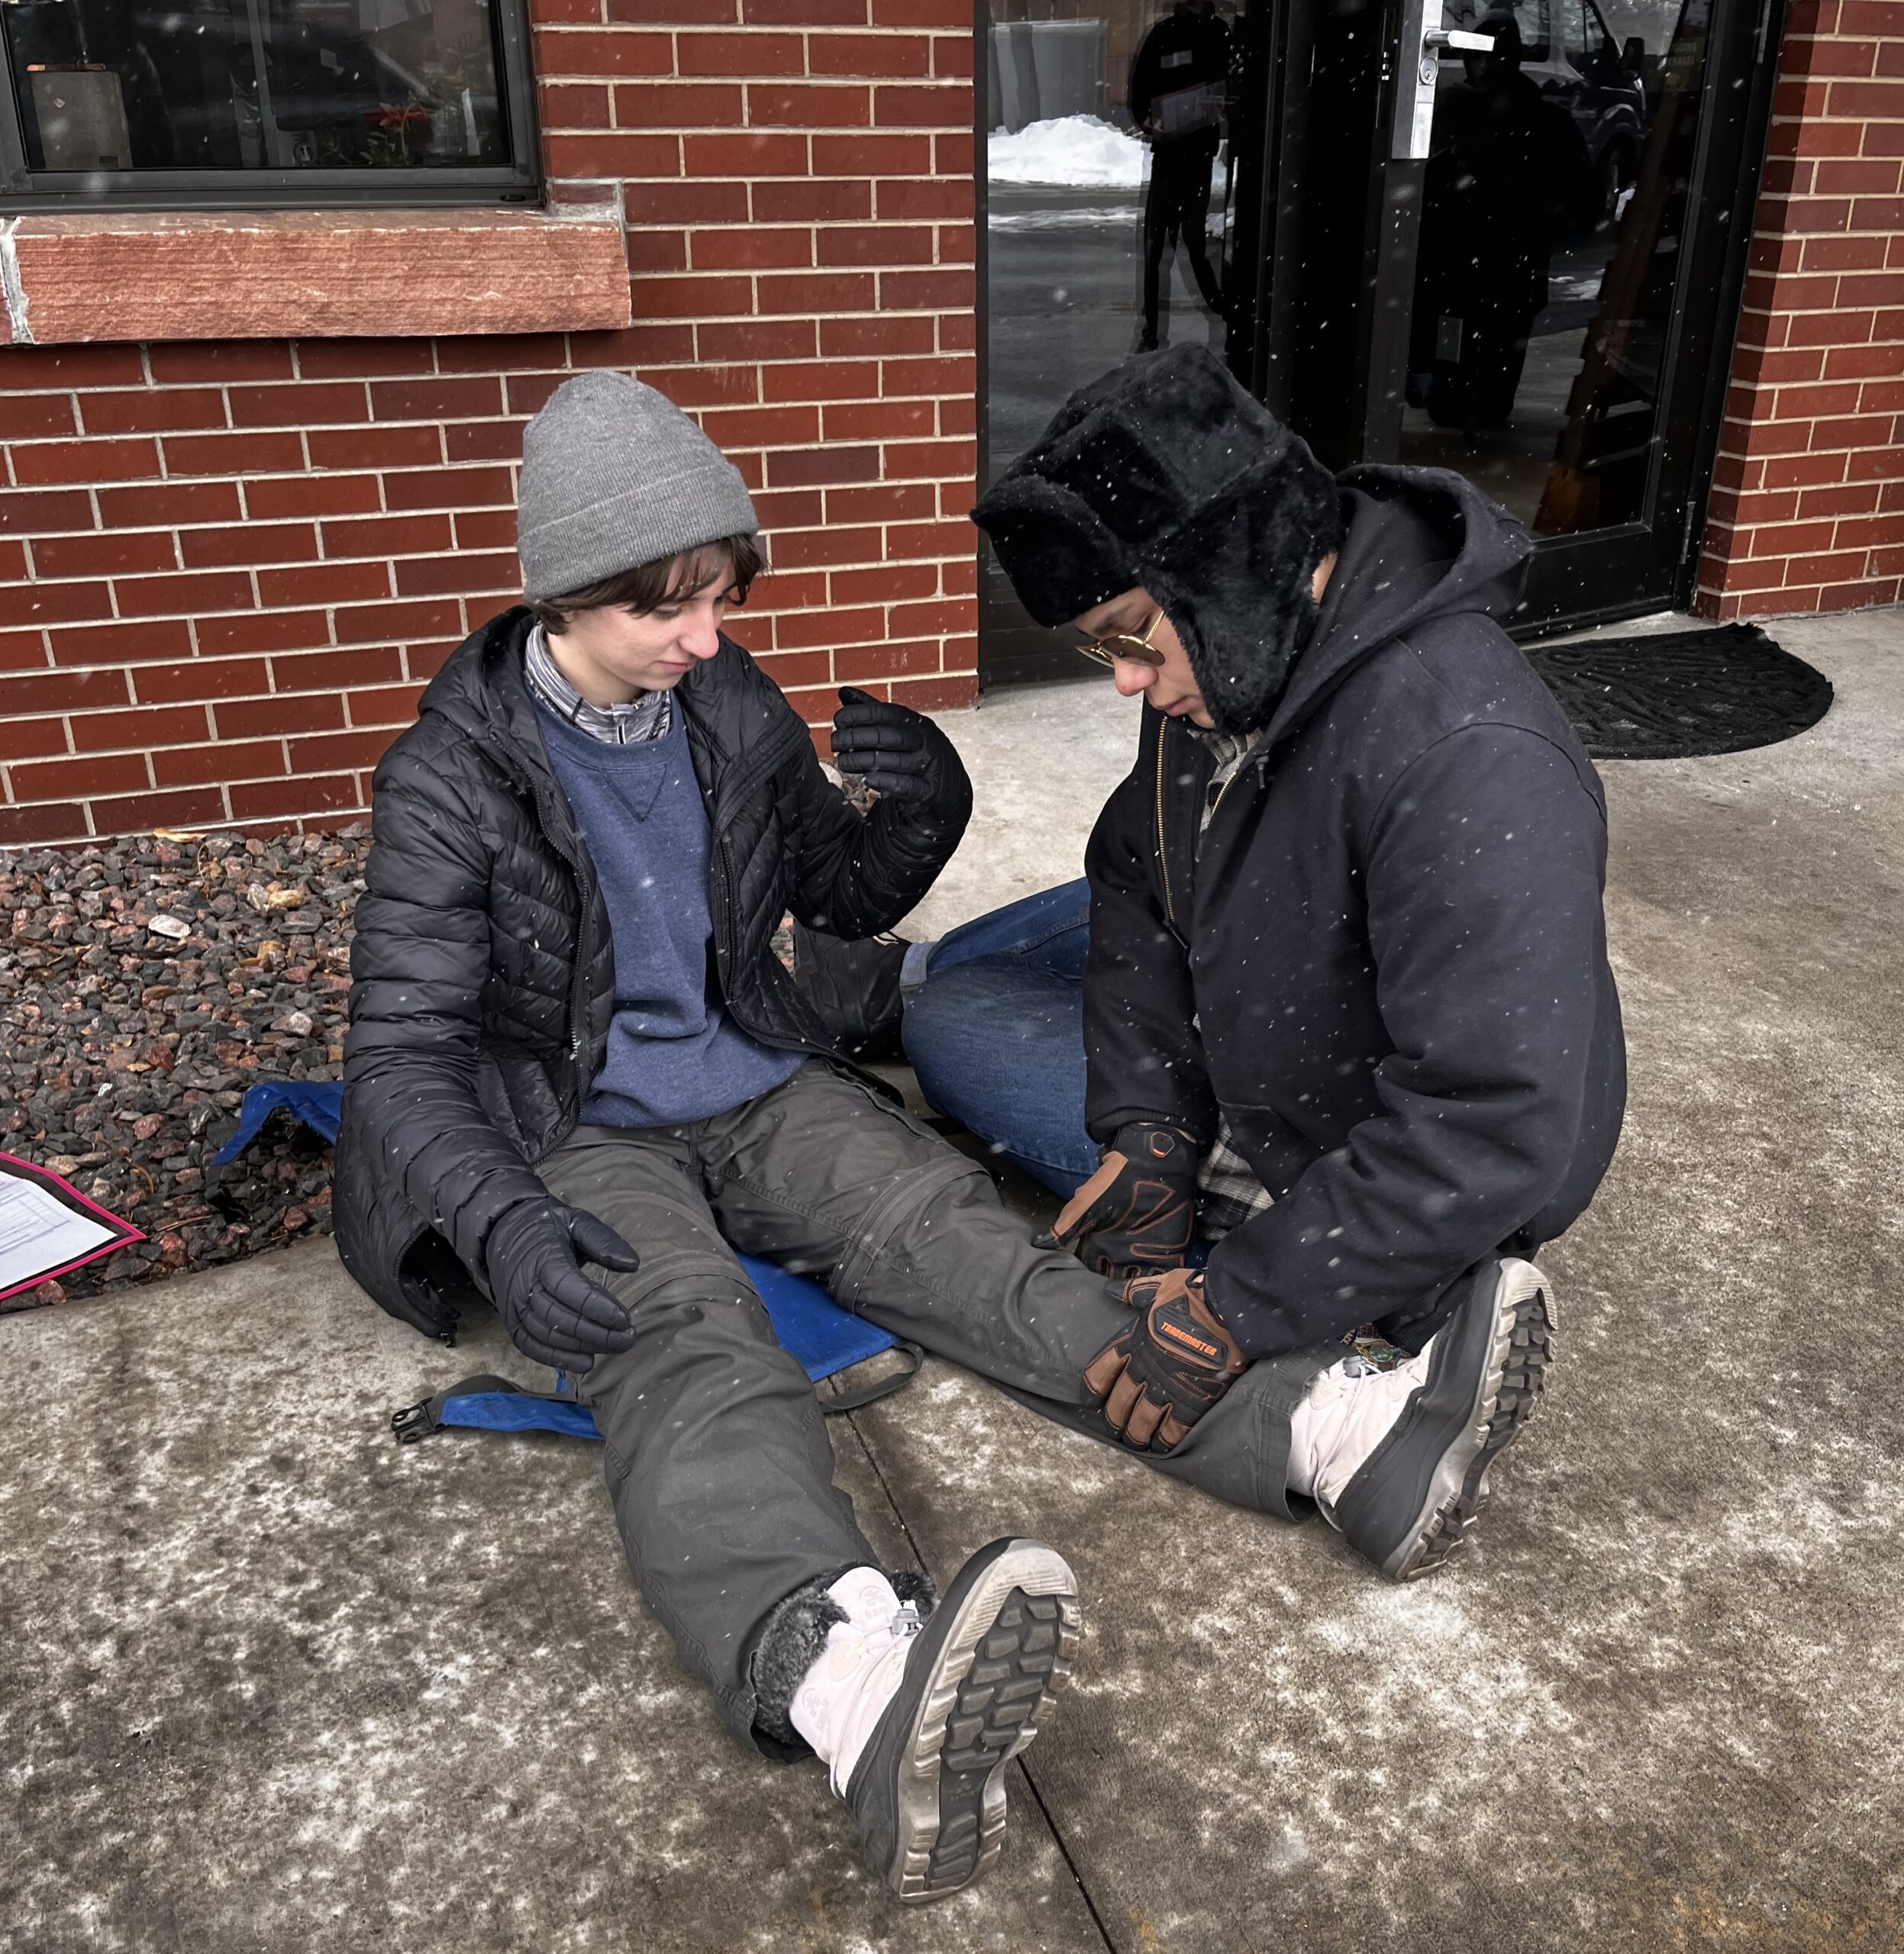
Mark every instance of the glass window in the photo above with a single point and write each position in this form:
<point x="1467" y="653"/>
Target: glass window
<point x="1530" y="18"/>
<point x="1597" y="41"/>
<point x="1484" y="16"/>
<point x="1573" y="18"/>
<point x="125" y="97"/>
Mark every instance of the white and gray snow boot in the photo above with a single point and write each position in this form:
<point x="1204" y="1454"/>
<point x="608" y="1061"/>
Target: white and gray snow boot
<point x="1399" y="1459"/>
<point x="919" y="1719"/>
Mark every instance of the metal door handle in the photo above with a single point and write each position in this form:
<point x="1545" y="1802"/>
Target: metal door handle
<point x="1422" y="36"/>
<point x="1455" y="38"/>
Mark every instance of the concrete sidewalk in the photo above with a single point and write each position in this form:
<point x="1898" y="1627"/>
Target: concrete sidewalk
<point x="269" y="1682"/>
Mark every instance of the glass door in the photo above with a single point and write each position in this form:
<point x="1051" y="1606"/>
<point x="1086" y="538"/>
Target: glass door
<point x="1554" y="270"/>
<point x="1502" y="236"/>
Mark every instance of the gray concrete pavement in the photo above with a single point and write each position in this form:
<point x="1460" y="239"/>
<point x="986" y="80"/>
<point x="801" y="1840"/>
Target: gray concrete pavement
<point x="267" y="1680"/>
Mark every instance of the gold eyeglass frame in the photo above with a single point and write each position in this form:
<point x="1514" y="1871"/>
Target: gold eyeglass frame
<point x="1142" y="651"/>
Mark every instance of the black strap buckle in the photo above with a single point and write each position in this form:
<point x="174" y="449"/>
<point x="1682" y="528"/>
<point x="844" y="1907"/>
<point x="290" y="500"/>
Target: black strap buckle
<point x="415" y="1422"/>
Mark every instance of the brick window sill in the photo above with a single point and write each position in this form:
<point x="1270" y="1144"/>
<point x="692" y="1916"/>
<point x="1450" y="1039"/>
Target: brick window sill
<point x="309" y="274"/>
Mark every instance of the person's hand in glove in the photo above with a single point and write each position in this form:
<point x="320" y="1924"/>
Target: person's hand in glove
<point x="554" y="1313"/>
<point x="1135" y="1216"/>
<point x="1155" y="1381"/>
<point x="903" y="757"/>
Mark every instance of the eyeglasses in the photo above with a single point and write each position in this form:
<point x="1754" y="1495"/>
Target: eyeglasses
<point x="1114" y="645"/>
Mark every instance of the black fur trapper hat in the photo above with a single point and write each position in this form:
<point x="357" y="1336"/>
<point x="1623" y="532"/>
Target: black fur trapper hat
<point x="1166" y="473"/>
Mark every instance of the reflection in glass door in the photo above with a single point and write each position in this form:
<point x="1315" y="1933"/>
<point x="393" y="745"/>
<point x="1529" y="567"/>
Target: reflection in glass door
<point x="1552" y="221"/>
<point x="1115" y="202"/>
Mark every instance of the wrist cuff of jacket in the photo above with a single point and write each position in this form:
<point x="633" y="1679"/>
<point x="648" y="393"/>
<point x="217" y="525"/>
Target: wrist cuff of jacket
<point x="478" y="1262"/>
<point x="1105" y="1132"/>
<point x="931" y="817"/>
<point x="1212" y="1302"/>
<point x="1165" y="1126"/>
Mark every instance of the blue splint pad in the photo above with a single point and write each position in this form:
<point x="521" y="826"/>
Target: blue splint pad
<point x="317" y="1102"/>
<point x="807" y="1323"/>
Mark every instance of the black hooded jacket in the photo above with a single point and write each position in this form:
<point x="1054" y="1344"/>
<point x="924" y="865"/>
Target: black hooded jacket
<point x="1385" y="963"/>
<point x="484" y="972"/>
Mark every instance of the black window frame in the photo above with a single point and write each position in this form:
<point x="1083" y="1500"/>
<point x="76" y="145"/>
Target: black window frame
<point x="27" y="192"/>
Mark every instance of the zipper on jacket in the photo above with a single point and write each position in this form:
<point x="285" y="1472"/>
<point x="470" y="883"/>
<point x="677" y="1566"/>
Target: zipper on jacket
<point x="1209" y="821"/>
<point x="1163" y="851"/>
<point x="578" y="1004"/>
<point x="1216" y="806"/>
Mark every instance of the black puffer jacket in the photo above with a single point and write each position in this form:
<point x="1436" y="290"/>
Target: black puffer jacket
<point x="484" y="973"/>
<point x="1384" y="963"/>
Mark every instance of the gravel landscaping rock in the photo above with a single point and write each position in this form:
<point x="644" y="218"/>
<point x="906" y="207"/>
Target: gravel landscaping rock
<point x="143" y="985"/>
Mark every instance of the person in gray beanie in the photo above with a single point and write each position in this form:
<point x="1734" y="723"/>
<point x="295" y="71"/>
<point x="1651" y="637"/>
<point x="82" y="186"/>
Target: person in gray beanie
<point x="576" y="1072"/>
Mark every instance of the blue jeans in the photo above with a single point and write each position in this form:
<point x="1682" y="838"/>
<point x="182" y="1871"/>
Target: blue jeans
<point x="996" y="1033"/>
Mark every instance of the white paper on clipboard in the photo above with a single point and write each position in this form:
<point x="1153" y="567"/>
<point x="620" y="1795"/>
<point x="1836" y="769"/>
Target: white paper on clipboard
<point x="40" y="1233"/>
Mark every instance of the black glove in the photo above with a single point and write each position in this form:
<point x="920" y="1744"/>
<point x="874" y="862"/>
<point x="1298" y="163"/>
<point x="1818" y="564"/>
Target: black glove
<point x="1135" y="1216"/>
<point x="1164" y="1372"/>
<point x="902" y="756"/>
<point x="554" y="1313"/>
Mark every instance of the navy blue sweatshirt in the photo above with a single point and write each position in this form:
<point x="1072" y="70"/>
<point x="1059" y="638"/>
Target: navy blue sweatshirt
<point x="672" y="1053"/>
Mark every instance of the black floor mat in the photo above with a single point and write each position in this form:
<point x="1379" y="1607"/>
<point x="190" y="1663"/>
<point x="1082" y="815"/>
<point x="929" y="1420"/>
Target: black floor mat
<point x="1668" y="698"/>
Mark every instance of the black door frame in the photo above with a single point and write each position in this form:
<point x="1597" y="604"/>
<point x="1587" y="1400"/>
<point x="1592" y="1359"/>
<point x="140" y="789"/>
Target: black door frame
<point x="1746" y="39"/>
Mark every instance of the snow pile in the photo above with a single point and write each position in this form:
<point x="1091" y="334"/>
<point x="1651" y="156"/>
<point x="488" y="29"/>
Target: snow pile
<point x="1079" y="151"/>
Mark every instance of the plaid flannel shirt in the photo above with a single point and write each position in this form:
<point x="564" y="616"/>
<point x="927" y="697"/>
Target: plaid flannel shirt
<point x="646" y="717"/>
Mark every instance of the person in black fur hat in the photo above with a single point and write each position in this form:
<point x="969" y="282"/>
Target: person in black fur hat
<point x="1351" y="1048"/>
<point x="1166" y="474"/>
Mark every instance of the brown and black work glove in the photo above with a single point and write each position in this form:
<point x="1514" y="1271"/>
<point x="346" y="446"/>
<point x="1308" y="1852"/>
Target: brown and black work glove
<point x="1135" y="1215"/>
<point x="1169" y="1368"/>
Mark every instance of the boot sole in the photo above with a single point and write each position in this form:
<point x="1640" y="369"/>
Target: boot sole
<point x="1510" y="1391"/>
<point x="1009" y="1653"/>
<point x="1507" y="1387"/>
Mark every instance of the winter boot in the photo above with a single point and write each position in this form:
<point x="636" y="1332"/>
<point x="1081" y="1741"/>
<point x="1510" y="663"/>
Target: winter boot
<point x="1399" y="1459"/>
<point x="917" y="1720"/>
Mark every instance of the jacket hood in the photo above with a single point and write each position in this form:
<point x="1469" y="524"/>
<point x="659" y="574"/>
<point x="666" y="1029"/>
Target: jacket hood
<point x="1166" y="474"/>
<point x="1420" y="544"/>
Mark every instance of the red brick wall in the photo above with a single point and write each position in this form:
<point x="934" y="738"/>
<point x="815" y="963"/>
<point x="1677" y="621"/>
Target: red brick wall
<point x="226" y="570"/>
<point x="1807" y="510"/>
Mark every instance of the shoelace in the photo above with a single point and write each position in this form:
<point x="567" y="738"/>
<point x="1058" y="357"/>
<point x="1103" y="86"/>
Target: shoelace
<point x="905" y="1624"/>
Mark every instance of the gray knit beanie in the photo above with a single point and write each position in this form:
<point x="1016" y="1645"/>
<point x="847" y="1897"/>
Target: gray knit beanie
<point x="615" y="475"/>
